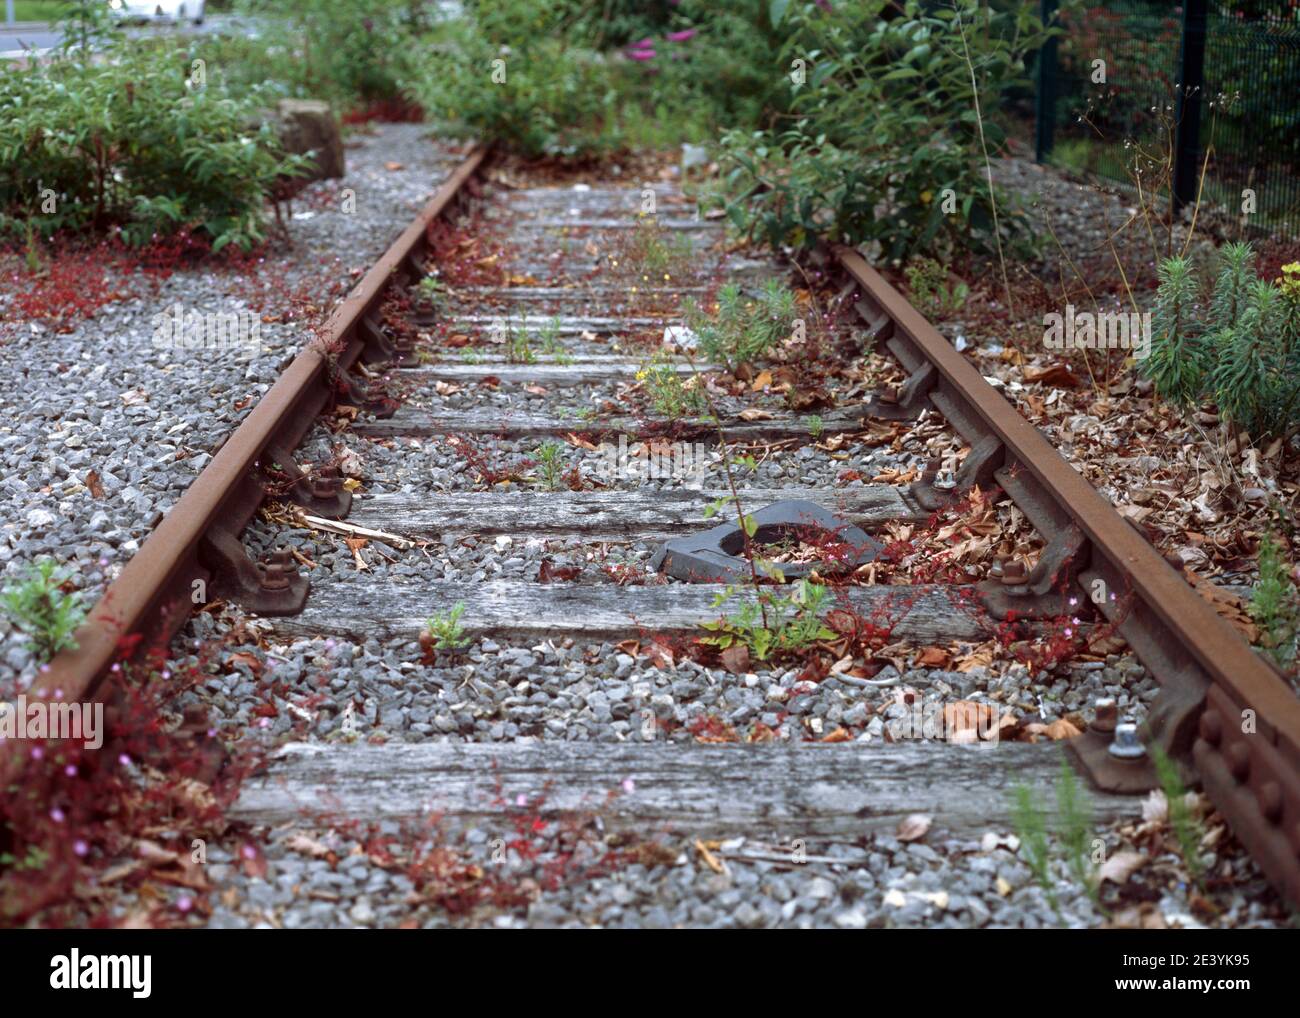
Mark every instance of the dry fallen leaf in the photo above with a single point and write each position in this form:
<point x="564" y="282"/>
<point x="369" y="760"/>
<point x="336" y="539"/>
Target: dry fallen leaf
<point x="1121" y="865"/>
<point x="914" y="827"/>
<point x="1055" y="374"/>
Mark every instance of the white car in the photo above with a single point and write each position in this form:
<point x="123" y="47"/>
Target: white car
<point x="158" y="10"/>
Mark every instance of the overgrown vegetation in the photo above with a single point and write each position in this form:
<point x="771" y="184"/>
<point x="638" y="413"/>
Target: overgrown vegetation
<point x="932" y="292"/>
<point x="1237" y="345"/>
<point x="913" y="181"/>
<point x="1186" y="825"/>
<point x="40" y="605"/>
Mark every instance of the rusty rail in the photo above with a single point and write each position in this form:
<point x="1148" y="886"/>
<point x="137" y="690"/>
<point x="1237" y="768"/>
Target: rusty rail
<point x="197" y="541"/>
<point x="1221" y="706"/>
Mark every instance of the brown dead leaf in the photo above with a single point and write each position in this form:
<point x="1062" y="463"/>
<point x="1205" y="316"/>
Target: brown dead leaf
<point x="706" y="850"/>
<point x="736" y="659"/>
<point x="754" y="414"/>
<point x="92" y="483"/>
<point x="1060" y="729"/>
<point x="838" y="734"/>
<point x="249" y="661"/>
<point x="763" y="381"/>
<point x="968" y="715"/>
<point x="393" y="166"/>
<point x="307" y="846"/>
<point x="932" y="657"/>
<point x="1055" y="374"/>
<point x="355" y="544"/>
<point x="457" y="339"/>
<point x="580" y="442"/>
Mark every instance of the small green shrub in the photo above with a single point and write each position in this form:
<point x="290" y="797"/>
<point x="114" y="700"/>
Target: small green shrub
<point x="550" y="463"/>
<point x="1244" y="354"/>
<point x="1035" y="848"/>
<point x="38" y="606"/>
<point x="743" y="330"/>
<point x="1187" y="827"/>
<point x="928" y="282"/>
<point x="669" y="393"/>
<point x="1275" y="604"/>
<point x="445" y="629"/>
<point x="772" y="622"/>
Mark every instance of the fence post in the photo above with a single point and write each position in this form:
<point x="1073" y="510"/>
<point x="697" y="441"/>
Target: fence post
<point x="1045" y="99"/>
<point x="1187" y="111"/>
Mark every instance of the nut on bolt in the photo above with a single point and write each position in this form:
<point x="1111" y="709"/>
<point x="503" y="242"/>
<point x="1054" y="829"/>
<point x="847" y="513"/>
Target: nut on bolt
<point x="1014" y="573"/>
<point x="326" y="484"/>
<point x="1126" y="745"/>
<point x="278" y="570"/>
<point x="1106" y="715"/>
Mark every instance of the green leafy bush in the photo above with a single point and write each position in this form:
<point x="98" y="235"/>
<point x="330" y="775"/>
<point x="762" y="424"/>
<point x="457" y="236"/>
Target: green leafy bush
<point x="350" y="52"/>
<point x="501" y="75"/>
<point x="126" y="140"/>
<point x="1243" y="351"/>
<point x="882" y="140"/>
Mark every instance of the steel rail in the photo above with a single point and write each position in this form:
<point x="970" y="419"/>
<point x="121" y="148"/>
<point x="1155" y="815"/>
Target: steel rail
<point x="1221" y="705"/>
<point x="152" y="595"/>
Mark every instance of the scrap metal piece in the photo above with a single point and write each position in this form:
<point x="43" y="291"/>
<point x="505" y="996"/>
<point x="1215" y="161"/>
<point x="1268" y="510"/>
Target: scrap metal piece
<point x="717" y="555"/>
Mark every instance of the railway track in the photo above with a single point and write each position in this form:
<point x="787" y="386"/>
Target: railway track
<point x="484" y="401"/>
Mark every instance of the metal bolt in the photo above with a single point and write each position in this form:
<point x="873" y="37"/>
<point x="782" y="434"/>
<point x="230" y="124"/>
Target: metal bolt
<point x="1107" y="715"/>
<point x="325" y="485"/>
<point x="1126" y="745"/>
<point x="1014" y="573"/>
<point x="278" y="570"/>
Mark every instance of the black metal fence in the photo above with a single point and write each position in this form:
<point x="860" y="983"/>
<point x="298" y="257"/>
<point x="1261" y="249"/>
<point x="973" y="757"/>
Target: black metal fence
<point x="1140" y="90"/>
